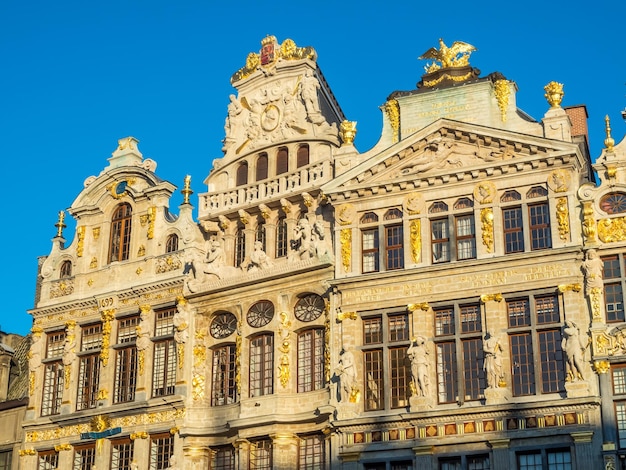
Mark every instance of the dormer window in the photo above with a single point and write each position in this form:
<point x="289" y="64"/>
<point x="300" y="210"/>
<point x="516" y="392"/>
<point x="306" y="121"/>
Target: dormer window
<point x="282" y="161"/>
<point x="171" y="245"/>
<point x="242" y="174"/>
<point x="119" y="245"/>
<point x="303" y="156"/>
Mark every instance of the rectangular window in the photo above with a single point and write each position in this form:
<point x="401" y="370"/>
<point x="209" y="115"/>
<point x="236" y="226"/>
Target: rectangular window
<point x="125" y="375"/>
<point x="5" y="460"/>
<point x="513" y="230"/>
<point x="394" y="248"/>
<point x="161" y="448"/>
<point x="164" y="370"/>
<point x="386" y="365"/>
<point x="465" y="237"/>
<point x="620" y="417"/>
<point x="84" y="457"/>
<point x="261" y="455"/>
<point x="88" y="382"/>
<point x="460" y="357"/>
<point x="164" y="322"/>
<point x="224" y="390"/>
<point x="311" y="453"/>
<point x="536" y="335"/>
<point x="262" y="365"/>
<point x="558" y="459"/>
<point x="52" y="388"/>
<point x="281" y="238"/>
<point x="47" y="460"/>
<point x="614" y="289"/>
<point x="223" y="458"/>
<point x="539" y="224"/>
<point x="440" y="240"/>
<point x="311" y="360"/>
<point x="369" y="250"/>
<point x="121" y="454"/>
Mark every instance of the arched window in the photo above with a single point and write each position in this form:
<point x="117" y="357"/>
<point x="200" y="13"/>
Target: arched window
<point x="282" y="161"/>
<point x="281" y="237"/>
<point x="240" y="247"/>
<point x="171" y="244"/>
<point x="261" y="167"/>
<point x="119" y="244"/>
<point x="66" y="269"/>
<point x="242" y="174"/>
<point x="303" y="156"/>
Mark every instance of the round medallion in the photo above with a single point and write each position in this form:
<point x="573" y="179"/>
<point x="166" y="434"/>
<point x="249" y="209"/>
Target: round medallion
<point x="270" y="118"/>
<point x="309" y="308"/>
<point x="260" y="314"/>
<point x="223" y="325"/>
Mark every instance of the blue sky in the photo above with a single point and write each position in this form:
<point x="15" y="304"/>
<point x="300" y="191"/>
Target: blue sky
<point x="78" y="75"/>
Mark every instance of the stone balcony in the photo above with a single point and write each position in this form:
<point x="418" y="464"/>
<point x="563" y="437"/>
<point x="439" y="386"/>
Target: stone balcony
<point x="215" y="203"/>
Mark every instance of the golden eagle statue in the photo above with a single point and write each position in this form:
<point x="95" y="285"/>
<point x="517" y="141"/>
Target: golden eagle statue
<point x="448" y="56"/>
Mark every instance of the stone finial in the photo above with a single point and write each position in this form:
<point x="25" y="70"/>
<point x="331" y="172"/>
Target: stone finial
<point x="347" y="132"/>
<point x="608" y="142"/>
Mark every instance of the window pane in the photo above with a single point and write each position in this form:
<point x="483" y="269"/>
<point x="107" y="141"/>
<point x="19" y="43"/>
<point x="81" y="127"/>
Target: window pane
<point x="552" y="377"/>
<point x="261" y="455"/>
<point x="261" y="365"/>
<point x="223" y="385"/>
<point x="394" y="247"/>
<point x="373" y="330"/>
<point x="400" y="377"/>
<point x="611" y="267"/>
<point x="370" y="250"/>
<point x="614" y="302"/>
<point x="473" y="370"/>
<point x="470" y="318"/>
<point x="559" y="460"/>
<point x="311" y="360"/>
<point x="522" y="359"/>
<point x="513" y="230"/>
<point x="518" y="312"/>
<point x="619" y="380"/>
<point x="440" y="237"/>
<point x="398" y="327"/>
<point x="547" y="309"/>
<point x="620" y="416"/>
<point x="161" y="448"/>
<point x="374" y="391"/>
<point x="447" y="372"/>
<point x="465" y="237"/>
<point x="444" y="321"/>
<point x="311" y="453"/>
<point x="530" y="461"/>
<point x="539" y="219"/>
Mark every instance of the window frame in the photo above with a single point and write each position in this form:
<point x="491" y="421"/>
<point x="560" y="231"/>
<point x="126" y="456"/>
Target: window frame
<point x="311" y="359"/>
<point x="120" y="236"/>
<point x="261" y="354"/>
<point x="224" y="389"/>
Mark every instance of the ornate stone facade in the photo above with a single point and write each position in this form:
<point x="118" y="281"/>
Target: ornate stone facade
<point x="427" y="302"/>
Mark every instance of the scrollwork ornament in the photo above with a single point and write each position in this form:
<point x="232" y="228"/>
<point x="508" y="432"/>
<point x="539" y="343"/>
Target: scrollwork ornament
<point x="416" y="240"/>
<point x="612" y="230"/>
<point x="562" y="217"/>
<point x="392" y="109"/>
<point x="486" y="221"/>
<point x="502" y="91"/>
<point x="346" y="248"/>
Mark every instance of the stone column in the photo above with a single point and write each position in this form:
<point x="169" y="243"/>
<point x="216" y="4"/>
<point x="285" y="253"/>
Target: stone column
<point x="424" y="457"/>
<point x="141" y="448"/>
<point x="583" y="449"/>
<point x="500" y="454"/>
<point x="196" y="455"/>
<point x="285" y="451"/>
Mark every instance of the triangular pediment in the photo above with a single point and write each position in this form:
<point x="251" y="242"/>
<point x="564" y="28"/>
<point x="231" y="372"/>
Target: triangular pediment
<point x="446" y="149"/>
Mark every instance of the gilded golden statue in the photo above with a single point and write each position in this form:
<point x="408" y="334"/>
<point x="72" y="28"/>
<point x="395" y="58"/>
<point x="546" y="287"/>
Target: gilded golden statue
<point x="449" y="56"/>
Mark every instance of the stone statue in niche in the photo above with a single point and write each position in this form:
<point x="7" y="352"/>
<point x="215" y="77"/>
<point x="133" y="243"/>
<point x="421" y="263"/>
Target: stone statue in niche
<point x="258" y="258"/>
<point x="420" y="366"/>
<point x="346" y="371"/>
<point x="574" y="347"/>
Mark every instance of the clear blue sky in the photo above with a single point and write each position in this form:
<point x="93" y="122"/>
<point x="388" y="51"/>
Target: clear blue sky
<point x="78" y="75"/>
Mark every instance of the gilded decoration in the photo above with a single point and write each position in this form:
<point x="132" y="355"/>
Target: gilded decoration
<point x="589" y="223"/>
<point x="414" y="203"/>
<point x="284" y="348"/>
<point x="569" y="287"/>
<point x="138" y="435"/>
<point x="486" y="227"/>
<point x="100" y="423"/>
<point x="562" y="217"/>
<point x="554" y="94"/>
<point x="424" y="306"/>
<point x="167" y="263"/>
<point x="69" y="351"/>
<point x="457" y="55"/>
<point x="559" y="180"/>
<point x="345" y="237"/>
<point x="612" y="230"/>
<point x="151" y="219"/>
<point x="95" y="232"/>
<point x="186" y="191"/>
<point x="270" y="54"/>
<point x="265" y="211"/>
<point x="141" y="251"/>
<point x="80" y="246"/>
<point x="484" y="298"/>
<point x="347" y="132"/>
<point x="601" y="367"/>
<point x="416" y="240"/>
<point x="61" y="288"/>
<point x="341" y="316"/>
<point x="93" y="264"/>
<point x="392" y="109"/>
<point x="199" y="361"/>
<point x="60" y="225"/>
<point x="608" y="141"/>
<point x="62" y="447"/>
<point x="27" y="452"/>
<point x="502" y="91"/>
<point x="485" y="192"/>
<point x="107" y="318"/>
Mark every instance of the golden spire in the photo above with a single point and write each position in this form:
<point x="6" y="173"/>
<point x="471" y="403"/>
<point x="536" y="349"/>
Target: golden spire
<point x="60" y="225"/>
<point x="186" y="189"/>
<point x="608" y="142"/>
